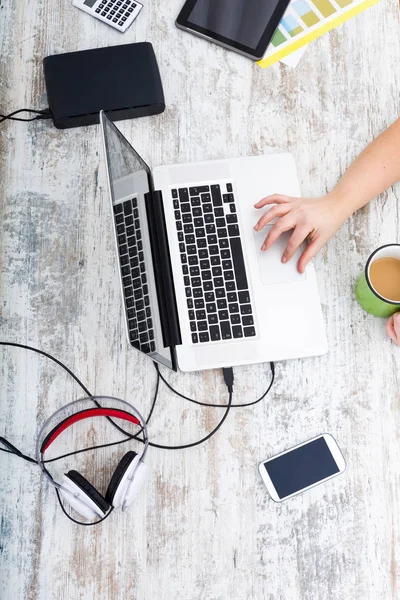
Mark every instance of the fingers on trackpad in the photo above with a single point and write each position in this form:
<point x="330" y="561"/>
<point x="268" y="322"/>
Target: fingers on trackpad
<point x="272" y="270"/>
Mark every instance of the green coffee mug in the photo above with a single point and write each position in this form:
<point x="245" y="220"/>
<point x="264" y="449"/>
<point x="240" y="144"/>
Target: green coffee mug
<point x="367" y="297"/>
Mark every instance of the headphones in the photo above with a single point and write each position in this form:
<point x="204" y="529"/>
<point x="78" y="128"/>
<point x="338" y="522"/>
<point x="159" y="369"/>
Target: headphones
<point x="74" y="489"/>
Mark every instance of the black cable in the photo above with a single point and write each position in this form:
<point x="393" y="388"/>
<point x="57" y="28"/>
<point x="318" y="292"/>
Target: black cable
<point x="272" y="367"/>
<point x="40" y="114"/>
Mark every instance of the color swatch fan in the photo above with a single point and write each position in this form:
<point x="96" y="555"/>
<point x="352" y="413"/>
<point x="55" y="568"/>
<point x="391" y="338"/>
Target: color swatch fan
<point x="306" y="20"/>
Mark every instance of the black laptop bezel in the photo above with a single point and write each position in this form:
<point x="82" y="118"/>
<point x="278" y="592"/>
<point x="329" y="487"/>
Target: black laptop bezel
<point x="256" y="53"/>
<point x="163" y="275"/>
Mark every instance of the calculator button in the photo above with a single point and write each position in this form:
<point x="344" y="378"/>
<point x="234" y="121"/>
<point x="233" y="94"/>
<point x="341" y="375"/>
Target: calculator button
<point x="123" y="18"/>
<point x="115" y="20"/>
<point x="108" y="17"/>
<point x="119" y="3"/>
<point x="112" y="12"/>
<point x="124" y="6"/>
<point x="134" y="4"/>
<point x="103" y="14"/>
<point x="130" y="10"/>
<point x="97" y="10"/>
<point x="101" y="5"/>
<point x="107" y="9"/>
<point x="120" y="23"/>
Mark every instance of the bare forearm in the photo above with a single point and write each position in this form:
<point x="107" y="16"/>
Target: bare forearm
<point x="372" y="172"/>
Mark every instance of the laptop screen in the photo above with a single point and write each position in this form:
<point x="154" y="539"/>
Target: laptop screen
<point x="129" y="182"/>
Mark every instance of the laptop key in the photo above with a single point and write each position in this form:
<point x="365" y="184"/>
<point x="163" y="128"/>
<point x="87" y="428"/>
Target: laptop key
<point x="212" y="318"/>
<point x="230" y="286"/>
<point x="205" y="264"/>
<point x="231" y="219"/>
<point x="248" y="320"/>
<point x="234" y="308"/>
<point x="245" y="309"/>
<point x="174" y="193"/>
<point x="198" y="222"/>
<point x="197" y="292"/>
<point x="229" y="187"/>
<point x="220" y="292"/>
<point x="226" y="330"/>
<point x="185" y="207"/>
<point x="200" y="232"/>
<point x="219" y="212"/>
<point x="214" y="333"/>
<point x="216" y="195"/>
<point x="233" y="230"/>
<point x="194" y="271"/>
<point x="123" y="249"/>
<point x="200" y="315"/>
<point x="183" y="195"/>
<point x="232" y="297"/>
<point x="118" y="208"/>
<point x="193" y="326"/>
<point x="199" y="303"/>
<point x="211" y="308"/>
<point x="238" y="262"/>
<point x="195" y="191"/>
<point x="220" y="222"/>
<point x="127" y="208"/>
<point x="244" y="297"/>
<point x="215" y="260"/>
<point x="223" y="315"/>
<point x="124" y="260"/>
<point x="193" y="260"/>
<point x="209" y="297"/>
<point x="204" y="337"/>
<point x="249" y="331"/>
<point x="235" y="319"/>
<point x="202" y="326"/>
<point x="188" y="228"/>
<point x="195" y="338"/>
<point x="221" y="303"/>
<point x="207" y="286"/>
<point x="187" y="218"/>
<point x="232" y="208"/>
<point x="237" y="331"/>
<point x="197" y="211"/>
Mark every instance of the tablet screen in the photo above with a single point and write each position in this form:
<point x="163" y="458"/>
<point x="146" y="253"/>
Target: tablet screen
<point x="242" y="21"/>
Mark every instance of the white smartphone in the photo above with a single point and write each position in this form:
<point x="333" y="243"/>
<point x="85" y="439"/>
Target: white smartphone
<point x="302" y="467"/>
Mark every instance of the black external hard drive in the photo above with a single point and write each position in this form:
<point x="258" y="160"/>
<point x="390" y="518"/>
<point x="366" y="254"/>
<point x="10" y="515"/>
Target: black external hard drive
<point x="124" y="81"/>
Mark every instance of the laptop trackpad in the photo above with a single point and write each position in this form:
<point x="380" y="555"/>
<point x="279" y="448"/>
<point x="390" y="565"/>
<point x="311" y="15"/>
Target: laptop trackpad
<point x="272" y="270"/>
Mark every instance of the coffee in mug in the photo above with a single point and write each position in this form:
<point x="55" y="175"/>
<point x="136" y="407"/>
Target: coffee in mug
<point x="378" y="288"/>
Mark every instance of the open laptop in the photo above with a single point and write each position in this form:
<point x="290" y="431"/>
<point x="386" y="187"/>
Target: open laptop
<point x="198" y="292"/>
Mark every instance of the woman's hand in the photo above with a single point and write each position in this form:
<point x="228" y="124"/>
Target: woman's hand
<point x="317" y="219"/>
<point x="393" y="328"/>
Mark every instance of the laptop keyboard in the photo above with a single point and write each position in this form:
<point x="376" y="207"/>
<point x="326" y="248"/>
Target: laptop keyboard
<point x="216" y="287"/>
<point x="134" y="278"/>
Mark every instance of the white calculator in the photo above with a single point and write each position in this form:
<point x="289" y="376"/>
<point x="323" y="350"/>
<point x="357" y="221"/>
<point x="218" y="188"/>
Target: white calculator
<point x="117" y="13"/>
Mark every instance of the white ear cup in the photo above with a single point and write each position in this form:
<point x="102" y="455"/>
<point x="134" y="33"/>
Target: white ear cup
<point x="78" y="500"/>
<point x="130" y="484"/>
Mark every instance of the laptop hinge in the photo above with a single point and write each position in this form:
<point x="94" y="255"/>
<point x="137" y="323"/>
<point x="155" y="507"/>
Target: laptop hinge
<point x="163" y="269"/>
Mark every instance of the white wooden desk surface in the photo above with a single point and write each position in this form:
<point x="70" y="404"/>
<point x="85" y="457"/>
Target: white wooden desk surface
<point x="204" y="528"/>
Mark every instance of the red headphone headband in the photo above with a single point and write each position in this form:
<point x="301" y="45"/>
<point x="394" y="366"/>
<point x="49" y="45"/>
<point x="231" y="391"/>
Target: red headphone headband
<point x="86" y="414"/>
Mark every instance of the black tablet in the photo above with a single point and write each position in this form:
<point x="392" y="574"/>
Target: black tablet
<point x="245" y="26"/>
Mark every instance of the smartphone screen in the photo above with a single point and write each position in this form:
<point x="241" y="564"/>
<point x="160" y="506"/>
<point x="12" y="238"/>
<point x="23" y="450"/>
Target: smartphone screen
<point x="302" y="467"/>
